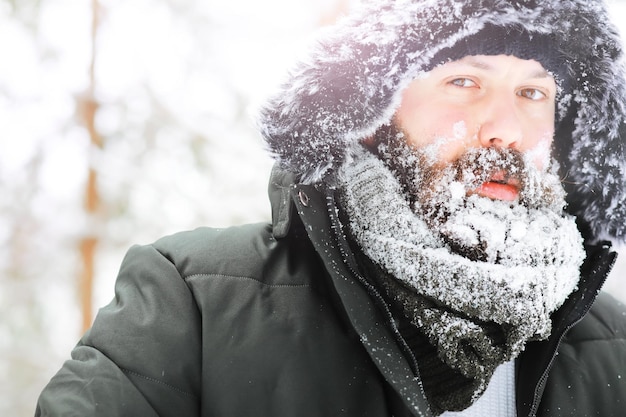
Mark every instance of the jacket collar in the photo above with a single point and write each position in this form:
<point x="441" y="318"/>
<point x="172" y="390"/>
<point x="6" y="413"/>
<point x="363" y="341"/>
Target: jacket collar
<point x="281" y="184"/>
<point x="534" y="365"/>
<point x="357" y="303"/>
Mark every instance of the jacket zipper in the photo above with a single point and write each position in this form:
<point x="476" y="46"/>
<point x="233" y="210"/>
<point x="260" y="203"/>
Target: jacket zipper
<point x="544" y="377"/>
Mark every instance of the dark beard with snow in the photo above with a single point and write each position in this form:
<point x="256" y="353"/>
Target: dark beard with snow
<point x="475" y="227"/>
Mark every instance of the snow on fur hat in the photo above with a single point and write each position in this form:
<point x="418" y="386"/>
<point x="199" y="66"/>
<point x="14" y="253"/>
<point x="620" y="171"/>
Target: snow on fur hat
<point x="351" y="83"/>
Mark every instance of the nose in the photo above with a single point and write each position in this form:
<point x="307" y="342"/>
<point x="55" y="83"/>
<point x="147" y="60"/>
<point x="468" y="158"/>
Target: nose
<point x="500" y="125"/>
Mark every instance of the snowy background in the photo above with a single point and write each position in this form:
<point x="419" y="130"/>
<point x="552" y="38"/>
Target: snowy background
<point x="154" y="103"/>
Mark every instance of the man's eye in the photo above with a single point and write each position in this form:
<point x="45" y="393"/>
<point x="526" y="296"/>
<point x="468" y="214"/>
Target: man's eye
<point x="532" y="94"/>
<point x="463" y="82"/>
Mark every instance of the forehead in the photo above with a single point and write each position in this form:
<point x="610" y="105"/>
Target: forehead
<point x="498" y="64"/>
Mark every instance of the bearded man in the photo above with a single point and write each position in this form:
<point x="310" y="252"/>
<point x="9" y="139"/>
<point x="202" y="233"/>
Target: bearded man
<point x="449" y="176"/>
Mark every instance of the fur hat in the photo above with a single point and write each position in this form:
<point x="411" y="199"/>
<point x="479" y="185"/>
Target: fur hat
<point x="351" y="82"/>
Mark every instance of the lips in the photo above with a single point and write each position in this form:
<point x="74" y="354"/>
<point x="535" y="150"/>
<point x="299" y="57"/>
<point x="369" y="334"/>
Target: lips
<point x="499" y="187"/>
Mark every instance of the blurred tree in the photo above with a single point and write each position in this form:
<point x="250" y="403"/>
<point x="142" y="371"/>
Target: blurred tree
<point x="338" y="9"/>
<point x="23" y="236"/>
<point x="26" y="11"/>
<point x="87" y="109"/>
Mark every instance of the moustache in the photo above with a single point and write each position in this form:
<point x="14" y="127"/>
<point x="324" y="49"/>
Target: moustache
<point x="495" y="173"/>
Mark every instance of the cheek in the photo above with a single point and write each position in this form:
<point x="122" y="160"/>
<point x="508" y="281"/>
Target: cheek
<point x="450" y="134"/>
<point x="443" y="133"/>
<point x="539" y="150"/>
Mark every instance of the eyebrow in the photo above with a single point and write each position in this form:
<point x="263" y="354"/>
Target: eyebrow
<point x="477" y="63"/>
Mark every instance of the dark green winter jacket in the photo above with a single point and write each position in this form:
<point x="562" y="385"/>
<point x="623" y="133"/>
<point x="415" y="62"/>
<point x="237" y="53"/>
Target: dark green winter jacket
<point x="273" y="320"/>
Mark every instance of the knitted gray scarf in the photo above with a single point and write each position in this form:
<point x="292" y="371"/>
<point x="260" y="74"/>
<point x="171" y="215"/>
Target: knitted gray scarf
<point x="452" y="299"/>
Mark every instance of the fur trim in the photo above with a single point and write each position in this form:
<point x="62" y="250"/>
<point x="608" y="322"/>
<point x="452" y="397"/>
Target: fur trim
<point x="351" y="83"/>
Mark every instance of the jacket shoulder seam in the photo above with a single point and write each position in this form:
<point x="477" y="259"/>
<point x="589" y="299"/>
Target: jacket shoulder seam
<point x="245" y="278"/>
<point x="156" y="381"/>
<point x="169" y="259"/>
<point x="595" y="340"/>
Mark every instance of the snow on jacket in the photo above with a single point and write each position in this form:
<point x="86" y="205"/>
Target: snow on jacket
<point x="271" y="320"/>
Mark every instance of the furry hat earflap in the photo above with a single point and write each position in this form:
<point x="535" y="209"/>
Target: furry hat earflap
<point x="350" y="85"/>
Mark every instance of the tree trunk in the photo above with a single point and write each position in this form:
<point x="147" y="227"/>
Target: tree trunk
<point x="92" y="204"/>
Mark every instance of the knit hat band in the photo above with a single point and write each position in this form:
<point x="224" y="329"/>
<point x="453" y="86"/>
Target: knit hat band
<point x="498" y="40"/>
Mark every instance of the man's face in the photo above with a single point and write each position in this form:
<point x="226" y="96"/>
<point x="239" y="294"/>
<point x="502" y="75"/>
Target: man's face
<point x="481" y="102"/>
<point x="470" y="145"/>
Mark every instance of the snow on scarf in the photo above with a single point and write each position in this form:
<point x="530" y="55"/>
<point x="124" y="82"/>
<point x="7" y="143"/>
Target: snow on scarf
<point x="461" y="305"/>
